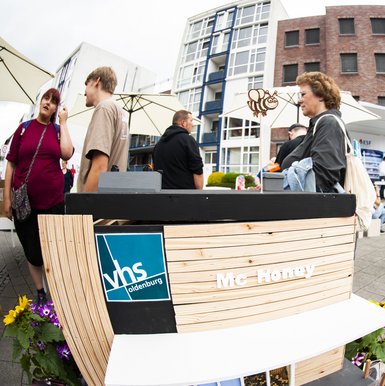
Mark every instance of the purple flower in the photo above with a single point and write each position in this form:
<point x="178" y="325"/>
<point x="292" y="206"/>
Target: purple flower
<point x="35" y="324"/>
<point x="40" y="345"/>
<point x="358" y="359"/>
<point x="45" y="310"/>
<point x="63" y="351"/>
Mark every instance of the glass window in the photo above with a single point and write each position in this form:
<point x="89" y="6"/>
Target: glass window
<point x="291" y="38"/>
<point x="245" y="15"/>
<point x="381" y="100"/>
<point x="314" y="66"/>
<point x="191" y="49"/>
<point x="312" y="36"/>
<point x="257" y="60"/>
<point x="378" y="25"/>
<point x="255" y="82"/>
<point x="240" y="62"/>
<point x="205" y="47"/>
<point x="219" y="22"/>
<point x="346" y="26"/>
<point x="196" y="29"/>
<point x="380" y="63"/>
<point x="265" y="10"/>
<point x="209" y="26"/>
<point x="185" y="75"/>
<point x="262" y="38"/>
<point x="242" y="37"/>
<point x="349" y="63"/>
<point x="230" y="19"/>
<point x="290" y="73"/>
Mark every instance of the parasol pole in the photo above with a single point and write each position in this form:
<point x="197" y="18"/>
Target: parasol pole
<point x="260" y="101"/>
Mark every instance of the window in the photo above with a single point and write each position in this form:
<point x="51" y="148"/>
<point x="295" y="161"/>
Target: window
<point x="380" y="63"/>
<point x="239" y="63"/>
<point x="349" y="63"/>
<point x="378" y="25"/>
<point x="246" y="15"/>
<point x="346" y="26"/>
<point x="210" y="157"/>
<point x="190" y="100"/>
<point x="255" y="82"/>
<point x="312" y="36"/>
<point x="381" y="100"/>
<point x="190" y="51"/>
<point x="291" y="38"/>
<point x="242" y="37"/>
<point x="314" y="66"/>
<point x="257" y="60"/>
<point x="195" y="30"/>
<point x="290" y="72"/>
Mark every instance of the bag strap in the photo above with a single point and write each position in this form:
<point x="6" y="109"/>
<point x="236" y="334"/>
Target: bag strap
<point x="34" y="156"/>
<point x="342" y="126"/>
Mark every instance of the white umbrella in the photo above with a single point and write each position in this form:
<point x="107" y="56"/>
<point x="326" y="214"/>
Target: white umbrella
<point x="288" y="111"/>
<point x="20" y="79"/>
<point x="148" y="114"/>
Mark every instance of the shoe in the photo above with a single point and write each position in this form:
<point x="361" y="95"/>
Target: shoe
<point x="41" y="298"/>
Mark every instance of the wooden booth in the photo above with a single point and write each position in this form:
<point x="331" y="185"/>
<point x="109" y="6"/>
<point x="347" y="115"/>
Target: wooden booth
<point x="205" y="287"/>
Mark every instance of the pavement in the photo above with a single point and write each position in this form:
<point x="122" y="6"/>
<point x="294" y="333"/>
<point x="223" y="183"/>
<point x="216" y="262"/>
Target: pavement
<point x="368" y="282"/>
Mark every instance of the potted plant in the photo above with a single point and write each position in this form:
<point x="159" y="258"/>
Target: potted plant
<point x="39" y="344"/>
<point x="369" y="347"/>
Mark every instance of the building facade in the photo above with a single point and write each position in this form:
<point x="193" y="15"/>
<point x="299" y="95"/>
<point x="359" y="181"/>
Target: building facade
<point x="347" y="43"/>
<point x="226" y="51"/>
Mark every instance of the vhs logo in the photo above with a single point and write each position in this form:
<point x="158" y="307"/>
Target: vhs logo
<point x="132" y="266"/>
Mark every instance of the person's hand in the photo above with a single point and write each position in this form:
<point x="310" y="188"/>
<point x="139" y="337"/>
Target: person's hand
<point x="63" y="115"/>
<point x="7" y="208"/>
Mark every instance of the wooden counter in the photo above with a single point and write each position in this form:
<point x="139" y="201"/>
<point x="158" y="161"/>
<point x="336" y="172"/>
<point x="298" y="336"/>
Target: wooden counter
<point x="182" y="266"/>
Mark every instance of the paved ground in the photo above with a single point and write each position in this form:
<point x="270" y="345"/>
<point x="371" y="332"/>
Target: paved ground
<point x="369" y="282"/>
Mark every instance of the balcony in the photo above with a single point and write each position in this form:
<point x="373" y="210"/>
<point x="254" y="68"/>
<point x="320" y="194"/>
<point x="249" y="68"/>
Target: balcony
<point x="216" y="76"/>
<point x="209" y="137"/>
<point x="213" y="105"/>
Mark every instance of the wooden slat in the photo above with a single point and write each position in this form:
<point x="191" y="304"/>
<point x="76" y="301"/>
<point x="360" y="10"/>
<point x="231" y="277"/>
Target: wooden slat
<point x="258" y="299"/>
<point x="247" y="291"/>
<point x="235" y="262"/>
<point x="256" y="238"/>
<point x="238" y="313"/>
<point x="257" y="249"/>
<point x="320" y="366"/>
<point x="199" y="230"/>
<point x="250" y="271"/>
<point x="261" y="317"/>
<point x="72" y="273"/>
<point x="345" y="267"/>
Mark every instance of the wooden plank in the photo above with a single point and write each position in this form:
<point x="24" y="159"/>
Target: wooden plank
<point x="72" y="292"/>
<point x="201" y="230"/>
<point x="319" y="366"/>
<point x="250" y="271"/>
<point x="257" y="249"/>
<point x="258" y="299"/>
<point x="56" y="284"/>
<point x="259" y="309"/>
<point x="247" y="291"/>
<point x="242" y="261"/>
<point x="262" y="317"/>
<point x="345" y="268"/>
<point x="277" y="236"/>
<point x="73" y="277"/>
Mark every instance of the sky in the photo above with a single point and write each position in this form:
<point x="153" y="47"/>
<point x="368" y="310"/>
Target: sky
<point x="146" y="32"/>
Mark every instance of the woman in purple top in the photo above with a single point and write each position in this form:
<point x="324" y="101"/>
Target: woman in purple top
<point x="45" y="182"/>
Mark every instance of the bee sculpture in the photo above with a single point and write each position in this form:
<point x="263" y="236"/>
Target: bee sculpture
<point x="261" y="100"/>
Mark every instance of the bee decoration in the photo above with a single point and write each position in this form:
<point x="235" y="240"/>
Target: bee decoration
<point x="261" y="100"/>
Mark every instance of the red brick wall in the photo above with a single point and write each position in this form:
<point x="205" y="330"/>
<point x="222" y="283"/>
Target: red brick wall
<point x="366" y="83"/>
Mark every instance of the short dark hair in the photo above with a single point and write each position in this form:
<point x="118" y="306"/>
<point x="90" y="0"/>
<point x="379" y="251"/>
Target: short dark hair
<point x="180" y="115"/>
<point x="107" y="78"/>
<point x="296" y="126"/>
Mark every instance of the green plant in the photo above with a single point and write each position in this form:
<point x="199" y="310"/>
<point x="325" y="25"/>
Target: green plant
<point x="39" y="343"/>
<point x="371" y="346"/>
<point x="228" y="180"/>
<point x="215" y="178"/>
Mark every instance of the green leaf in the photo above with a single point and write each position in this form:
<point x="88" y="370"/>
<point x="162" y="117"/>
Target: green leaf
<point x="23" y="338"/>
<point x="16" y="349"/>
<point x="11" y="330"/>
<point x="25" y="363"/>
<point x="51" y="333"/>
<point x="36" y="318"/>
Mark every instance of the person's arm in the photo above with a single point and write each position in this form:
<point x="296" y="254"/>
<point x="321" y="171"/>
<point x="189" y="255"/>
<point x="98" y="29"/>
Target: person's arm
<point x="198" y="181"/>
<point x="7" y="189"/>
<point x="99" y="164"/>
<point x="66" y="147"/>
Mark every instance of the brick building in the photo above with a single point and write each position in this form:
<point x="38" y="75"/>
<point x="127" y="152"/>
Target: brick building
<point x="347" y="43"/>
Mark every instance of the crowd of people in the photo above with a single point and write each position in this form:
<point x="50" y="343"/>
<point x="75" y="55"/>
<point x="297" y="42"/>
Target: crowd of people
<point x="176" y="155"/>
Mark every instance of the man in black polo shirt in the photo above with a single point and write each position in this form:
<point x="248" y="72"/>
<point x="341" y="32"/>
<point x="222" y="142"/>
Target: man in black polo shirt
<point x="177" y="155"/>
<point x="297" y="133"/>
